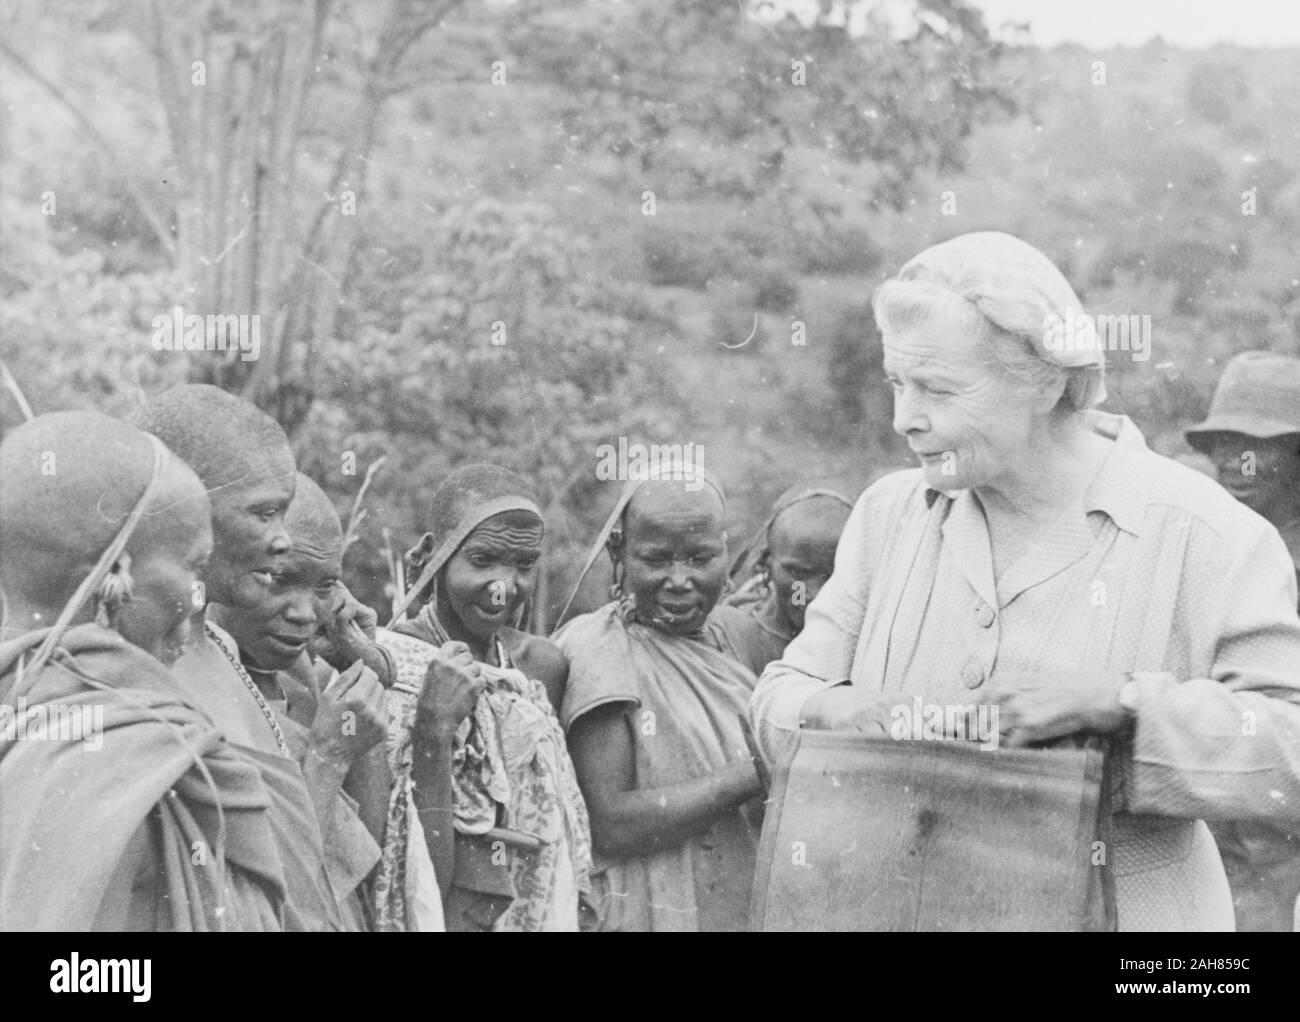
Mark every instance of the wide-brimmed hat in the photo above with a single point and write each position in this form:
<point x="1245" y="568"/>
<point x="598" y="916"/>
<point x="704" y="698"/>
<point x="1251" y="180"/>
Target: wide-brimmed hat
<point x="1258" y="395"/>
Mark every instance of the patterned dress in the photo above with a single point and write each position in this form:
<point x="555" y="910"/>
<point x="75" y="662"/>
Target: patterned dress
<point x="510" y="769"/>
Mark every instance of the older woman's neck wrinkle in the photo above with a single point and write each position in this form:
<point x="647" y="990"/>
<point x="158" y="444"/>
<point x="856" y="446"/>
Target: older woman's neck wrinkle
<point x="1050" y="480"/>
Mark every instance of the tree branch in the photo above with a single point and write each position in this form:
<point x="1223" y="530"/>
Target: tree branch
<point x="151" y="215"/>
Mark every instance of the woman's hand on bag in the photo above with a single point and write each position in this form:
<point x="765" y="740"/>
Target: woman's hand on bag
<point x="847" y="708"/>
<point x="1050" y="704"/>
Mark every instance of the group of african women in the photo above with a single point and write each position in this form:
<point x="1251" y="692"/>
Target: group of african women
<point x="267" y="757"/>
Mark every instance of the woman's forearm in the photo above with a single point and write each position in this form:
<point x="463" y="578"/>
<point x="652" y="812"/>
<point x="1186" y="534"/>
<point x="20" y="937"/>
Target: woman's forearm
<point x="431" y="774"/>
<point x="323" y="777"/>
<point x="370" y="783"/>
<point x="1213" y="750"/>
<point x="648" y="820"/>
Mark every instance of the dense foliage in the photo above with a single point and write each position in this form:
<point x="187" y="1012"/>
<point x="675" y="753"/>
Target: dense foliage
<point x="515" y="231"/>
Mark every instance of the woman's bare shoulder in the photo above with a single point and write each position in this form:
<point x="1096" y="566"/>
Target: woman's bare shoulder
<point x="540" y="659"/>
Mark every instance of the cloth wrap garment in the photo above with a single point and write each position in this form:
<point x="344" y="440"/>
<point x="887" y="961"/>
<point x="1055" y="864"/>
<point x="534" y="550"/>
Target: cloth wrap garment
<point x="351" y="853"/>
<point x="685" y="696"/>
<point x="510" y="768"/>
<point x="108" y="839"/>
<point x="311" y="904"/>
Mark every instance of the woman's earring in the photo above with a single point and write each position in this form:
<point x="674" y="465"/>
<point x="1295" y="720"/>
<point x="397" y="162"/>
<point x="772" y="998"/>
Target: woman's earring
<point x="616" y="587"/>
<point x="113" y="591"/>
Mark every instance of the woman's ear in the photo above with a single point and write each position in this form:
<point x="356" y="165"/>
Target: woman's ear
<point x="114" y="591"/>
<point x="1053" y="394"/>
<point x="414" y="559"/>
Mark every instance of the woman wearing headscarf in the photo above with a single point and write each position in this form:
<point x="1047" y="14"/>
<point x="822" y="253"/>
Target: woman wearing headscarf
<point x="657" y="691"/>
<point x="1044" y="560"/>
<point x="483" y="780"/>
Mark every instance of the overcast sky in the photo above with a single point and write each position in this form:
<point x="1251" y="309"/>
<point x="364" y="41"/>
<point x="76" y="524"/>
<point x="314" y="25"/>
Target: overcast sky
<point x="1103" y="23"/>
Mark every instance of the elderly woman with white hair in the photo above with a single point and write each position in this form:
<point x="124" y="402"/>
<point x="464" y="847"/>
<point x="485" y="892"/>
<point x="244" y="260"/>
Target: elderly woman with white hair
<point x="1044" y="560"/>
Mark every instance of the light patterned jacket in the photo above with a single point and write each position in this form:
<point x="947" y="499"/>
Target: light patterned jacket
<point x="1160" y="573"/>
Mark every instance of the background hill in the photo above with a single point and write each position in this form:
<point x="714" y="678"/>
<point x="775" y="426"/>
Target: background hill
<point x="499" y="157"/>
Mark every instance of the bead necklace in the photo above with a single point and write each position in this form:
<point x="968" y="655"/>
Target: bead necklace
<point x="252" y="687"/>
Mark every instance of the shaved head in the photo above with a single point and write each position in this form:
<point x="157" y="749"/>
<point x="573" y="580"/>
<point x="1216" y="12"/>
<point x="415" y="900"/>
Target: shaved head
<point x="70" y="481"/>
<point x="312" y="521"/>
<point x="673" y="554"/>
<point x="225" y="439"/>
<point x="670" y="497"/>
<point x="817" y="517"/>
<point x="800" y="553"/>
<point x="70" y="478"/>
<point x="246" y="463"/>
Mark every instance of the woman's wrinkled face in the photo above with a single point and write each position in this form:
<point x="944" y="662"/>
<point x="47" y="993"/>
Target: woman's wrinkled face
<point x="962" y="418"/>
<point x="169" y="553"/>
<point x="1264" y="474"/>
<point x="249" y="536"/>
<point x="490" y="576"/>
<point x="273" y="633"/>
<point x="674" y="555"/>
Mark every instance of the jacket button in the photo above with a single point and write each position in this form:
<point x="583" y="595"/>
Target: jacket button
<point x="972" y="676"/>
<point x="985" y="615"/>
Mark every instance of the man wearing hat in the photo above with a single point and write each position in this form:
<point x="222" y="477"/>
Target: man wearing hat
<point x="1252" y="435"/>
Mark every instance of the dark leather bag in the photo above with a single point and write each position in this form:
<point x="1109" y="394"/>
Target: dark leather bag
<point x="873" y="834"/>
